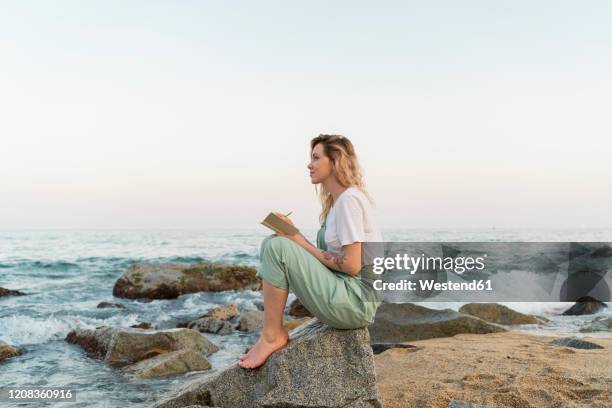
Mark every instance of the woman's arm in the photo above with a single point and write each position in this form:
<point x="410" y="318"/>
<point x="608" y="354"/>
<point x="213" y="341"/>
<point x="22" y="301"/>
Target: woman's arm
<point x="350" y="263"/>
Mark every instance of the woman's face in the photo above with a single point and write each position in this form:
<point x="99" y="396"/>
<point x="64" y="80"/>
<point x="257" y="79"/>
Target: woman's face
<point x="320" y="165"/>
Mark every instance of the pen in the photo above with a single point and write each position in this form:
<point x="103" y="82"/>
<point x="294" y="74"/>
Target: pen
<point x="289" y="213"/>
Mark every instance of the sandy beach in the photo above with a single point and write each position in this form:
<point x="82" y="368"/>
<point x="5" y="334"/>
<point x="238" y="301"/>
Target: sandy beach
<point x="504" y="369"/>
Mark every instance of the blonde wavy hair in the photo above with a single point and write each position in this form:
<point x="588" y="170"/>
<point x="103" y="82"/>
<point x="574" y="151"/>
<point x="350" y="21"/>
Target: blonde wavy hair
<point x="341" y="153"/>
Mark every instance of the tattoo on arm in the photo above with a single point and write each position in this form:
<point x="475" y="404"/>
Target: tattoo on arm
<point x="337" y="260"/>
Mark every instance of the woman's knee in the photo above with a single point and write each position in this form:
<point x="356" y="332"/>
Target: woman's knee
<point x="276" y="243"/>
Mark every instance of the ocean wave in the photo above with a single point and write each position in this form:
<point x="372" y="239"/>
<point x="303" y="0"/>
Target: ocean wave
<point x="184" y="259"/>
<point x="24" y="330"/>
<point x="59" y="265"/>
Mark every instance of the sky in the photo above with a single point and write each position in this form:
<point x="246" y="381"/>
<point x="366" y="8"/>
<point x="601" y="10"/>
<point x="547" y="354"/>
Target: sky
<point x="198" y="114"/>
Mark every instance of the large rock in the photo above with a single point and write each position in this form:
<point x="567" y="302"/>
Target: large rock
<point x="168" y="281"/>
<point x="174" y="362"/>
<point x="10" y="292"/>
<point x="492" y="312"/>
<point x="8" y="351"/>
<point x="128" y="345"/>
<point x="399" y="322"/>
<point x="585" y="305"/>
<point x="319" y="367"/>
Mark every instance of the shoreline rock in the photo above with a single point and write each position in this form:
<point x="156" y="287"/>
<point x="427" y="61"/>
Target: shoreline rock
<point x="8" y="351"/>
<point x="169" y="281"/>
<point x="171" y="363"/>
<point x="107" y="305"/>
<point x="496" y="313"/>
<point x="400" y="322"/>
<point x="10" y="292"/>
<point x="122" y="346"/>
<point x="585" y="305"/>
<point x="319" y="367"/>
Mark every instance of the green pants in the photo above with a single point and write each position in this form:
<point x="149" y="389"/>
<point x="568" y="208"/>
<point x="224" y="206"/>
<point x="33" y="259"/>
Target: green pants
<point x="335" y="298"/>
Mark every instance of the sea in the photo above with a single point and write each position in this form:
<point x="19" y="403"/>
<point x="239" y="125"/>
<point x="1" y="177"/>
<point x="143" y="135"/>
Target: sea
<point x="67" y="273"/>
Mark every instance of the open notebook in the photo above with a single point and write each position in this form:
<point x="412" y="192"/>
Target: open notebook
<point x="277" y="224"/>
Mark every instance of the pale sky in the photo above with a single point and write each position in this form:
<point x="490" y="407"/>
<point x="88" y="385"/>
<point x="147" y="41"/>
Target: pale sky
<point x="198" y="114"/>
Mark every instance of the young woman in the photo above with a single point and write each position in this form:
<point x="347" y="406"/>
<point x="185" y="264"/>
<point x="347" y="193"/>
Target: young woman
<point x="333" y="279"/>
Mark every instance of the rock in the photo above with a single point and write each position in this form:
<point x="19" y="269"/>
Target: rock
<point x="378" y="348"/>
<point x="211" y="325"/>
<point x="251" y="320"/>
<point x="575" y="343"/>
<point x="216" y="320"/>
<point x="319" y="367"/>
<point x="142" y="325"/>
<point x="162" y="365"/>
<point x="128" y="345"/>
<point x="585" y="305"/>
<point x="8" y="351"/>
<point x="104" y="305"/>
<point x="463" y="404"/>
<point x="602" y="252"/>
<point x="400" y="322"/>
<point x="296" y="309"/>
<point x="168" y="281"/>
<point x="10" y="292"/>
<point x="600" y="323"/>
<point x="492" y="312"/>
<point x="225" y="312"/>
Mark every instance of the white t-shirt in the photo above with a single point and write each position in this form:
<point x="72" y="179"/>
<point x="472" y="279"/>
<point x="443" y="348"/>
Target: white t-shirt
<point x="350" y="220"/>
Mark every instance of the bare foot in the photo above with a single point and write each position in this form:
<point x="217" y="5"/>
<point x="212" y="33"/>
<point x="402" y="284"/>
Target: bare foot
<point x="259" y="353"/>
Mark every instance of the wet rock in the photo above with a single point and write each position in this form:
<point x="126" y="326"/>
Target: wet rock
<point x="168" y="281"/>
<point x="495" y="313"/>
<point x="10" y="292"/>
<point x="171" y="363"/>
<point x="212" y="325"/>
<point x="225" y="312"/>
<point x="575" y="343"/>
<point x="218" y="320"/>
<point x="128" y="345"/>
<point x="602" y="252"/>
<point x="8" y="351"/>
<point x="296" y="309"/>
<point x="585" y="305"/>
<point x="143" y="325"/>
<point x="319" y="367"/>
<point x="400" y="322"/>
<point x="104" y="305"/>
<point x="378" y="348"/>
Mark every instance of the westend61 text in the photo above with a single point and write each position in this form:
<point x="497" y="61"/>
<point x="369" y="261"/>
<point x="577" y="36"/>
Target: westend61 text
<point x="411" y="263"/>
<point x="475" y="285"/>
